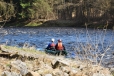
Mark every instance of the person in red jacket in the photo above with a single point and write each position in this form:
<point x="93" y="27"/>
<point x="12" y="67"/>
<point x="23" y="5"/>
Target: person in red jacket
<point x="60" y="47"/>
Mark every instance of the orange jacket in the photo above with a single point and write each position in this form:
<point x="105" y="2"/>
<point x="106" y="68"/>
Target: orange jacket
<point x="59" y="46"/>
<point x="52" y="45"/>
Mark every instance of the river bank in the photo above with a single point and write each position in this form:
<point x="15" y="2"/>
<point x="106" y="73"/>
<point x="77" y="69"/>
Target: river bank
<point x="58" y="23"/>
<point x="35" y="63"/>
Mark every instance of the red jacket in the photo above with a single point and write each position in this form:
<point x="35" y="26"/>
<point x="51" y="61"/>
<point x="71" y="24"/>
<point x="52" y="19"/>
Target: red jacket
<point x="59" y="46"/>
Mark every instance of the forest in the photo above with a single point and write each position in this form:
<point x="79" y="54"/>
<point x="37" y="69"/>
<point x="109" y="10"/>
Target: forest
<point x="75" y="12"/>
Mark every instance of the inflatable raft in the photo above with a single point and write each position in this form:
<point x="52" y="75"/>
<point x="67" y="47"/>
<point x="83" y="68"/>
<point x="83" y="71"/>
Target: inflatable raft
<point x="56" y="52"/>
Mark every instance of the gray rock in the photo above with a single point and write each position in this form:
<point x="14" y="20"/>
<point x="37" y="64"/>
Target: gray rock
<point x="57" y="63"/>
<point x="99" y="74"/>
<point x="7" y="73"/>
<point x="31" y="73"/>
<point x="48" y="75"/>
<point x="110" y="66"/>
<point x="65" y="74"/>
<point x="21" y="66"/>
<point x="111" y="69"/>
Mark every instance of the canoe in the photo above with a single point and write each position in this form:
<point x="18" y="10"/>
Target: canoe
<point x="56" y="52"/>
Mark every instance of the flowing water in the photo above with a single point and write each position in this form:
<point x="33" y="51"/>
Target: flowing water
<point x="74" y="39"/>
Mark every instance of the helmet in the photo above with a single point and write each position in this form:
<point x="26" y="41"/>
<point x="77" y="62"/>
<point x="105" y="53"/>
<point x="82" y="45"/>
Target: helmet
<point x="53" y="39"/>
<point x="59" y="40"/>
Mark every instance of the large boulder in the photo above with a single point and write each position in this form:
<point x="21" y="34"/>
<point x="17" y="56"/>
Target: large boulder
<point x="19" y="66"/>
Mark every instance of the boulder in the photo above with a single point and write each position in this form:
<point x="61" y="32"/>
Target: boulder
<point x="48" y="75"/>
<point x="57" y="72"/>
<point x="57" y="63"/>
<point x="31" y="73"/>
<point x="7" y="73"/>
<point x="20" y="66"/>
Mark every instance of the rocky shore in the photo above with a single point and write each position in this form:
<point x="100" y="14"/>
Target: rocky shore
<point x="19" y="62"/>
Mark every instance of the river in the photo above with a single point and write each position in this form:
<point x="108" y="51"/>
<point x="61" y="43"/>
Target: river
<point x="74" y="39"/>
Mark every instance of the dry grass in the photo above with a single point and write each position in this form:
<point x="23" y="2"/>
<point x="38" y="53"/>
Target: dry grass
<point x="17" y="49"/>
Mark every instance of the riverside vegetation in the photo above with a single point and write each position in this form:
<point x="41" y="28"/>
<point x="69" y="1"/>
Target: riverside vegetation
<point x="30" y="62"/>
<point x="95" y="13"/>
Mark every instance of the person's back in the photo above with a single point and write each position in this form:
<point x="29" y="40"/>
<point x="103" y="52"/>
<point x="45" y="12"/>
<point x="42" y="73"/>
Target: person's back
<point x="51" y="45"/>
<point x="60" y="47"/>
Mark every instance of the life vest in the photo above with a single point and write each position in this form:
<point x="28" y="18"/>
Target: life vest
<point x="59" y="46"/>
<point x="52" y="45"/>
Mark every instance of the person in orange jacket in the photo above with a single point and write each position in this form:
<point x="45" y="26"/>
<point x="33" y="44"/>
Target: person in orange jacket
<point x="60" y="47"/>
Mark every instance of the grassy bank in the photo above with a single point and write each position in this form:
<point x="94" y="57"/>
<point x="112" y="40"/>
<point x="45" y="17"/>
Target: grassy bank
<point x="23" y="49"/>
<point x="57" y="23"/>
<point x="57" y="64"/>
